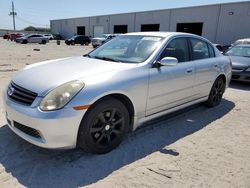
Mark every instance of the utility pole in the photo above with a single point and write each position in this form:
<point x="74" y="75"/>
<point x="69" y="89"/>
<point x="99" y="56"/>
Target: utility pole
<point x="13" y="14"/>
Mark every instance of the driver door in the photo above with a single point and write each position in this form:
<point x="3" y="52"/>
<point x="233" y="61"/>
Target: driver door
<point x="171" y="86"/>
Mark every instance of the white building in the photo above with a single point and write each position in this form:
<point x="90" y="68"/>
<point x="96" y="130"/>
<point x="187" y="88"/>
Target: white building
<point x="220" y="23"/>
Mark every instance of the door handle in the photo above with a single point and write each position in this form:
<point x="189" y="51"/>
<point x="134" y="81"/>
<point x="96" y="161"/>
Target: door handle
<point x="189" y="70"/>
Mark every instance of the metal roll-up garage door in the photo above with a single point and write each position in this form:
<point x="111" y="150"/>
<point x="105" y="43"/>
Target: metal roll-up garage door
<point x="98" y="31"/>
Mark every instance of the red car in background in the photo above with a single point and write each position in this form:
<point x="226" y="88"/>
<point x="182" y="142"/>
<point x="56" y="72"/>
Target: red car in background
<point x="14" y="36"/>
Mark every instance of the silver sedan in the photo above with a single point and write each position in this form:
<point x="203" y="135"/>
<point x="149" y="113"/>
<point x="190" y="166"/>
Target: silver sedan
<point x="94" y="100"/>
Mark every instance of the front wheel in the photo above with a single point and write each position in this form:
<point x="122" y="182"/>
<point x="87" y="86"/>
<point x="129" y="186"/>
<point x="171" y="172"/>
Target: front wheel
<point x="104" y="126"/>
<point x="216" y="93"/>
<point x="24" y="42"/>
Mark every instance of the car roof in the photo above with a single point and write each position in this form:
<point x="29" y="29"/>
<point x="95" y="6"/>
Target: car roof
<point x="246" y="39"/>
<point x="159" y="34"/>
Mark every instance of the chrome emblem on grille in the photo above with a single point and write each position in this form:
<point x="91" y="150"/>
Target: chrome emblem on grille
<point x="11" y="91"/>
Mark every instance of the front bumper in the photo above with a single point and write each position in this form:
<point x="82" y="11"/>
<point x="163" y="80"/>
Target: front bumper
<point x="56" y="129"/>
<point x="241" y="76"/>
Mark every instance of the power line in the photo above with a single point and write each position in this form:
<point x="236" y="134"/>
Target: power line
<point x="32" y="23"/>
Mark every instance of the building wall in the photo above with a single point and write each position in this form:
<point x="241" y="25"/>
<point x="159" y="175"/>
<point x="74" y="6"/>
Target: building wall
<point x="235" y="26"/>
<point x="153" y="17"/>
<point x="122" y="19"/>
<point x="82" y="22"/>
<point x="222" y="24"/>
<point x="99" y="21"/>
<point x="197" y="14"/>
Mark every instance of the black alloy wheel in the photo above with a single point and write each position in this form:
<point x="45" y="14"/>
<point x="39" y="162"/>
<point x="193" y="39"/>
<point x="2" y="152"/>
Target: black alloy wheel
<point x="104" y="126"/>
<point x="216" y="93"/>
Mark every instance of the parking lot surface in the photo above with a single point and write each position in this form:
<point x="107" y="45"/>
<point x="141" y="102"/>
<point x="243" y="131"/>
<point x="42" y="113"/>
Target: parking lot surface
<point x="197" y="147"/>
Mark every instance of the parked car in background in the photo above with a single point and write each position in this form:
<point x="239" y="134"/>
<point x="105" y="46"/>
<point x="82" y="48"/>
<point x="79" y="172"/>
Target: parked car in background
<point x="219" y="47"/>
<point x="241" y="41"/>
<point x="57" y="37"/>
<point x="94" y="100"/>
<point x="14" y="36"/>
<point x="49" y="36"/>
<point x="33" y="38"/>
<point x="98" y="41"/>
<point x="6" y="36"/>
<point x="78" y="39"/>
<point x="240" y="57"/>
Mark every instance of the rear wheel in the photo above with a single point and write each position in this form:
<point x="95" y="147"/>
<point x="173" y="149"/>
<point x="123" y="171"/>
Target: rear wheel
<point x="86" y="43"/>
<point x="104" y="126"/>
<point x="216" y="93"/>
<point x="43" y="41"/>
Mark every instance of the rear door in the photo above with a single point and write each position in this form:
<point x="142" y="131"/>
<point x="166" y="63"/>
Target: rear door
<point x="31" y="38"/>
<point x="207" y="67"/>
<point x="170" y="86"/>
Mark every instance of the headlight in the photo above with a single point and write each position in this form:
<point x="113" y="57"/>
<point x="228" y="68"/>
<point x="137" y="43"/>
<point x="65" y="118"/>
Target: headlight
<point x="248" y="70"/>
<point x="61" y="95"/>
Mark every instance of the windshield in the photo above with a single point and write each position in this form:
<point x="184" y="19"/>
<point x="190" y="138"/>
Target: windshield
<point x="127" y="49"/>
<point x="243" y="51"/>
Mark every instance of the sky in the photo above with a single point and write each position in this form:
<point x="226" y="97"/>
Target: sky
<point x="39" y="13"/>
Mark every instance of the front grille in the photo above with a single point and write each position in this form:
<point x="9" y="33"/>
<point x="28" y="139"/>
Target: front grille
<point x="20" y="95"/>
<point x="27" y="130"/>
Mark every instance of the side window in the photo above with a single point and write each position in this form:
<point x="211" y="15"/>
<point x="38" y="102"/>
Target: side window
<point x="211" y="51"/>
<point x="31" y="36"/>
<point x="177" y="48"/>
<point x="199" y="49"/>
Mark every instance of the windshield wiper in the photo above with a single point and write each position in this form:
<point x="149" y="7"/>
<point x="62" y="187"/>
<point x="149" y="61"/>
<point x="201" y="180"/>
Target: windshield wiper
<point x="106" y="58"/>
<point x="87" y="55"/>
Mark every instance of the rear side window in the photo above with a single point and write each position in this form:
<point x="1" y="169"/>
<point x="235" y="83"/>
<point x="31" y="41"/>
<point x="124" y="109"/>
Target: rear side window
<point x="199" y="49"/>
<point x="177" y="48"/>
<point x="211" y="51"/>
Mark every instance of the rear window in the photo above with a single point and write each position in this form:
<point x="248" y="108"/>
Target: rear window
<point x="199" y="49"/>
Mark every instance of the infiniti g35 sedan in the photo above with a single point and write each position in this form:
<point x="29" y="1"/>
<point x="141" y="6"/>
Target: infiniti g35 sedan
<point x="94" y="100"/>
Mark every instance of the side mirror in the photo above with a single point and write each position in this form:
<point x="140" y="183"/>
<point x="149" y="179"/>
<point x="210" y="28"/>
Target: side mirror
<point x="169" y="61"/>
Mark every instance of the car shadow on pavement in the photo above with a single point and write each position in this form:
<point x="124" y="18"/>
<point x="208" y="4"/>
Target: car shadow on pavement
<point x="240" y="85"/>
<point x="36" y="167"/>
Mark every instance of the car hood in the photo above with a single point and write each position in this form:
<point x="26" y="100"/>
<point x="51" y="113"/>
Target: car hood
<point x="239" y="61"/>
<point x="44" y="76"/>
<point x="98" y="39"/>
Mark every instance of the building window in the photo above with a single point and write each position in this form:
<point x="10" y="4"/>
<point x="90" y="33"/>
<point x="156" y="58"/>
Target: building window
<point x="150" y="27"/>
<point x="194" y="28"/>
<point x="120" y="28"/>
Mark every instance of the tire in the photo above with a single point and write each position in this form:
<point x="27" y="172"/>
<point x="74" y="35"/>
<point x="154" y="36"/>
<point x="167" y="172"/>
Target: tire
<point x="86" y="43"/>
<point x="44" y="42"/>
<point x="103" y="127"/>
<point x="216" y="93"/>
<point x="67" y="42"/>
<point x="24" y="42"/>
